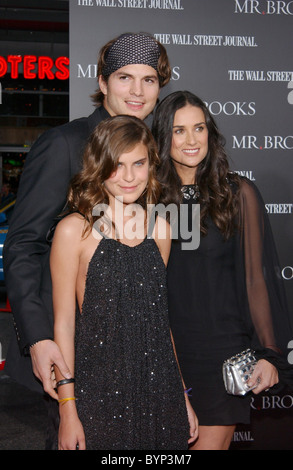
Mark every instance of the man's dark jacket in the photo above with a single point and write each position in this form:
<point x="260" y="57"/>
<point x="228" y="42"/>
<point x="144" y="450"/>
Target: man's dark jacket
<point x="54" y="158"/>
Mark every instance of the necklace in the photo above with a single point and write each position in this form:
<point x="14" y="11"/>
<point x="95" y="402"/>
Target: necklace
<point x="190" y="191"/>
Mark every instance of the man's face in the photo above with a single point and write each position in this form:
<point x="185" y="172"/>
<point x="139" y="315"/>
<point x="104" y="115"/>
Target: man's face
<point x="132" y="90"/>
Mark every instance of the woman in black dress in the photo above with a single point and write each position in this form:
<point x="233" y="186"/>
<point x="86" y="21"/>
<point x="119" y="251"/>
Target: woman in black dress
<point x="226" y="295"/>
<point x="128" y="393"/>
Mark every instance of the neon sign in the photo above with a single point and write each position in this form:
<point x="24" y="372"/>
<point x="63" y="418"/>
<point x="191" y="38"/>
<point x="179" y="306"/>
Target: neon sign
<point x="35" y="67"/>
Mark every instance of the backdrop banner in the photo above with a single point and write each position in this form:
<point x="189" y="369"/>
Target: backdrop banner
<point x="237" y="56"/>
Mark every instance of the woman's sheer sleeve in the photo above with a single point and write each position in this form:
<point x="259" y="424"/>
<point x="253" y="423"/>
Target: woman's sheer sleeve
<point x="260" y="283"/>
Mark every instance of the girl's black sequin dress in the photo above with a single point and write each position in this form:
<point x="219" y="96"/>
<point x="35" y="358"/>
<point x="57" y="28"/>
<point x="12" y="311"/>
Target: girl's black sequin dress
<point x="128" y="386"/>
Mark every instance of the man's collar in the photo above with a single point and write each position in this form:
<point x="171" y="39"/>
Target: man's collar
<point x="97" y="116"/>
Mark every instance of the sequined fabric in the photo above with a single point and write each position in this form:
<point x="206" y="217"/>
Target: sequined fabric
<point x="128" y="388"/>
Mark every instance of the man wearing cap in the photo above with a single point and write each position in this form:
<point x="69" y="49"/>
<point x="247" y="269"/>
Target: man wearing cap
<point x="131" y="71"/>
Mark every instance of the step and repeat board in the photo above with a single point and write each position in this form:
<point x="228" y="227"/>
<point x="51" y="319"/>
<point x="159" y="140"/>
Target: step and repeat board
<point x="237" y="56"/>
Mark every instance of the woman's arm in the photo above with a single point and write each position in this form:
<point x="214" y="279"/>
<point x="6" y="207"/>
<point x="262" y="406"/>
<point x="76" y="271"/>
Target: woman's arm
<point x="64" y="263"/>
<point x="266" y="309"/>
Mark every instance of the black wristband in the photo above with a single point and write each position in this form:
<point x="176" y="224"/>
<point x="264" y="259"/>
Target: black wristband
<point x="64" y="382"/>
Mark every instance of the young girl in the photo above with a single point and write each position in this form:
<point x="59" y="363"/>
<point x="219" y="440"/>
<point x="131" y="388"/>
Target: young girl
<point x="127" y="391"/>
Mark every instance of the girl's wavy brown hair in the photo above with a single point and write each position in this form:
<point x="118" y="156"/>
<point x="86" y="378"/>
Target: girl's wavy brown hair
<point x="110" y="139"/>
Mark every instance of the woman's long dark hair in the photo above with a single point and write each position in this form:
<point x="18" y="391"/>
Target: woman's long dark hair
<point x="217" y="185"/>
<point x="110" y="139"/>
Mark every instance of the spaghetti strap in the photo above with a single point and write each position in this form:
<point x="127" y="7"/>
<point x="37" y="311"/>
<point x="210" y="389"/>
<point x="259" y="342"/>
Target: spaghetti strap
<point x="151" y="222"/>
<point x="152" y="219"/>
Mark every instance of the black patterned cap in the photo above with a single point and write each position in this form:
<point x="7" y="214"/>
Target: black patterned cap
<point x="131" y="48"/>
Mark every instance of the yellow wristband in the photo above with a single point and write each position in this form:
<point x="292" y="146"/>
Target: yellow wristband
<point x="64" y="400"/>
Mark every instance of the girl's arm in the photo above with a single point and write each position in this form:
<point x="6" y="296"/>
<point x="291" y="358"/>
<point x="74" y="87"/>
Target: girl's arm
<point x="64" y="262"/>
<point x="192" y="418"/>
<point x="162" y="236"/>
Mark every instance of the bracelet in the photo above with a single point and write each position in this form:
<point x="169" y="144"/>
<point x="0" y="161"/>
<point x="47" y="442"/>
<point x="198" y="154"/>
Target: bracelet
<point x="64" y="400"/>
<point x="188" y="392"/>
<point x="64" y="382"/>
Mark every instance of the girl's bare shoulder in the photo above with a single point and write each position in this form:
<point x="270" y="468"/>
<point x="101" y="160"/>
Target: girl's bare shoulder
<point x="71" y="227"/>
